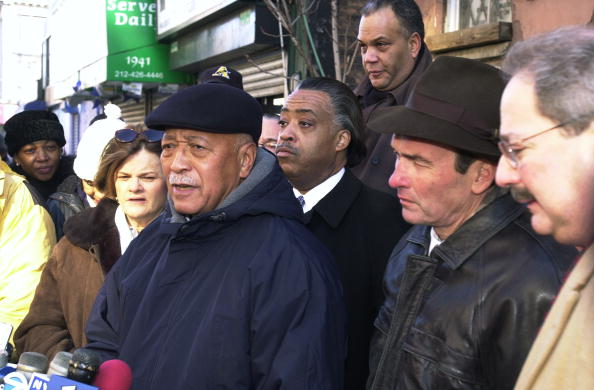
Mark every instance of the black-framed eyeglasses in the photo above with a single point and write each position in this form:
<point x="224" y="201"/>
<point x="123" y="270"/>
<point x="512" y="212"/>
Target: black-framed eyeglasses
<point x="511" y="149"/>
<point x="129" y="135"/>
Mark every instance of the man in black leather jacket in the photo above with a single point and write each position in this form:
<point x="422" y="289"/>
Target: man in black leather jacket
<point x="468" y="287"/>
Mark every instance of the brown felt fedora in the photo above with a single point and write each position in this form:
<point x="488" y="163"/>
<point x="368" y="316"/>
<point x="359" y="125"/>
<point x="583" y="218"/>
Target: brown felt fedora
<point x="455" y="103"/>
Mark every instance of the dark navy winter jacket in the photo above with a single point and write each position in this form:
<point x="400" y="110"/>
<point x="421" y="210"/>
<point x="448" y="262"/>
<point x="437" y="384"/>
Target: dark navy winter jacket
<point x="243" y="297"/>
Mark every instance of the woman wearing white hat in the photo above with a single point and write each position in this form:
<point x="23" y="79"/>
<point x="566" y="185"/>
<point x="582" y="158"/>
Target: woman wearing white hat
<point x="64" y="204"/>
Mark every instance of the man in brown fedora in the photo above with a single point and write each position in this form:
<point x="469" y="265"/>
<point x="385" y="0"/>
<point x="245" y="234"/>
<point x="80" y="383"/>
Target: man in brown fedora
<point x="468" y="287"/>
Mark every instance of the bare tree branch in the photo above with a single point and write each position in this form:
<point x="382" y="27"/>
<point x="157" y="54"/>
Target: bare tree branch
<point x="335" y="48"/>
<point x="344" y="50"/>
<point x="284" y="17"/>
<point x="351" y="61"/>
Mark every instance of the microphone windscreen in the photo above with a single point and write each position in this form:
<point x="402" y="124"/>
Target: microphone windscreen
<point x="83" y="365"/>
<point x="31" y="362"/>
<point x="59" y="364"/>
<point x="3" y="359"/>
<point x="114" y="375"/>
<point x="9" y="350"/>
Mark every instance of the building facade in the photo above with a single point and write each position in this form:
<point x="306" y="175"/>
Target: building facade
<point x="77" y="55"/>
<point x="22" y="27"/>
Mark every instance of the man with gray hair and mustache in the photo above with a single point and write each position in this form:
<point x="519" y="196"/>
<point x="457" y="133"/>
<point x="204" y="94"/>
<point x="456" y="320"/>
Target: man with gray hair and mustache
<point x="547" y="145"/>
<point x="227" y="288"/>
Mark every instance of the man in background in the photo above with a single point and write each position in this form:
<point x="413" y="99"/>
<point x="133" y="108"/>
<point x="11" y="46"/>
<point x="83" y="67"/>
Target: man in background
<point x="394" y="55"/>
<point x="270" y="131"/>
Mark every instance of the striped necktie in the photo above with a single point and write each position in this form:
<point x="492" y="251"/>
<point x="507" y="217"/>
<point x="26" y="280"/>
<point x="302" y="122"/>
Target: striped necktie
<point x="301" y="201"/>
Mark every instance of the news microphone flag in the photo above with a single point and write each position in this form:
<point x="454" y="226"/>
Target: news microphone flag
<point x="10" y="367"/>
<point x="58" y="382"/>
<point x="38" y="382"/>
<point x="15" y="381"/>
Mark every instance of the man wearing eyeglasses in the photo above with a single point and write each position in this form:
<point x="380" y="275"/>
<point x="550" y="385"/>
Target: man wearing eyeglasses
<point x="547" y="141"/>
<point x="227" y="288"/>
<point x="270" y="131"/>
<point x="468" y="287"/>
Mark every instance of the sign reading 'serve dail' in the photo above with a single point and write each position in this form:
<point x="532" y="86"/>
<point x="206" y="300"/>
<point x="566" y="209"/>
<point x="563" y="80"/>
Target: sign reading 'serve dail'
<point x="133" y="52"/>
<point x="122" y="10"/>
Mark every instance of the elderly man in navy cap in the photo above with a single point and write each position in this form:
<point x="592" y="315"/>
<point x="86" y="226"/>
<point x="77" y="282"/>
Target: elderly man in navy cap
<point x="227" y="288"/>
<point x="468" y="287"/>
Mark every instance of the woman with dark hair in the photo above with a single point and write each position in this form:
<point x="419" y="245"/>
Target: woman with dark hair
<point x="34" y="139"/>
<point x="130" y="176"/>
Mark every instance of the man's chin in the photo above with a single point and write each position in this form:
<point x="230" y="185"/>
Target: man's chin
<point x="379" y="84"/>
<point x="541" y="223"/>
<point x="184" y="207"/>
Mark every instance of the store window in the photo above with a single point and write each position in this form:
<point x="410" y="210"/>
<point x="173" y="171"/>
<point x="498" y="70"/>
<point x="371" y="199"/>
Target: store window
<point x="461" y="14"/>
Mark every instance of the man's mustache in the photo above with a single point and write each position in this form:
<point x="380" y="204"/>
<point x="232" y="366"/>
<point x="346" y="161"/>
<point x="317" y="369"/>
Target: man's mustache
<point x="286" y="145"/>
<point x="182" y="179"/>
<point x="521" y="195"/>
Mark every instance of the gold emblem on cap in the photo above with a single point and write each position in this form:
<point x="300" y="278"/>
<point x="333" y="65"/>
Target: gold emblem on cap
<point x="222" y="72"/>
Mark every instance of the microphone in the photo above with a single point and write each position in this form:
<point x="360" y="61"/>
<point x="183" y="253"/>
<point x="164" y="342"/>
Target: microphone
<point x="3" y="359"/>
<point x="83" y="365"/>
<point x="31" y="362"/>
<point x="114" y="375"/>
<point x="9" y="350"/>
<point x="5" y="332"/>
<point x="59" y="364"/>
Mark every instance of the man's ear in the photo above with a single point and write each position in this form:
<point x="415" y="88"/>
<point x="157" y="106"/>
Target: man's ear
<point x="343" y="139"/>
<point x="414" y="44"/>
<point x="483" y="176"/>
<point x="247" y="156"/>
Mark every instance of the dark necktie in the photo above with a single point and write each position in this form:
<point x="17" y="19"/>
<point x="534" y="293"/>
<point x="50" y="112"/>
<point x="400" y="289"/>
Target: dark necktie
<point x="301" y="201"/>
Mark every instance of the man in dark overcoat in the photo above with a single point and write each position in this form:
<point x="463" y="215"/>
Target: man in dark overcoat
<point x="318" y="143"/>
<point x="227" y="289"/>
<point x="394" y="55"/>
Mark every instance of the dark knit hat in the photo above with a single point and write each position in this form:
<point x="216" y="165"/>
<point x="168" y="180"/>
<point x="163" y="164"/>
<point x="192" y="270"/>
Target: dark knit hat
<point x="210" y="107"/>
<point x="454" y="103"/>
<point x="221" y="74"/>
<point x="30" y="126"/>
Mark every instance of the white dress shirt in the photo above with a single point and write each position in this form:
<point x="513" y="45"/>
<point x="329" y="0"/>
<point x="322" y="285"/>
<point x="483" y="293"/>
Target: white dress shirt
<point x="313" y="196"/>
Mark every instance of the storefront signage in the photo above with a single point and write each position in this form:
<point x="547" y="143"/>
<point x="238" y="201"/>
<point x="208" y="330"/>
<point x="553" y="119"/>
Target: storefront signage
<point x="133" y="52"/>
